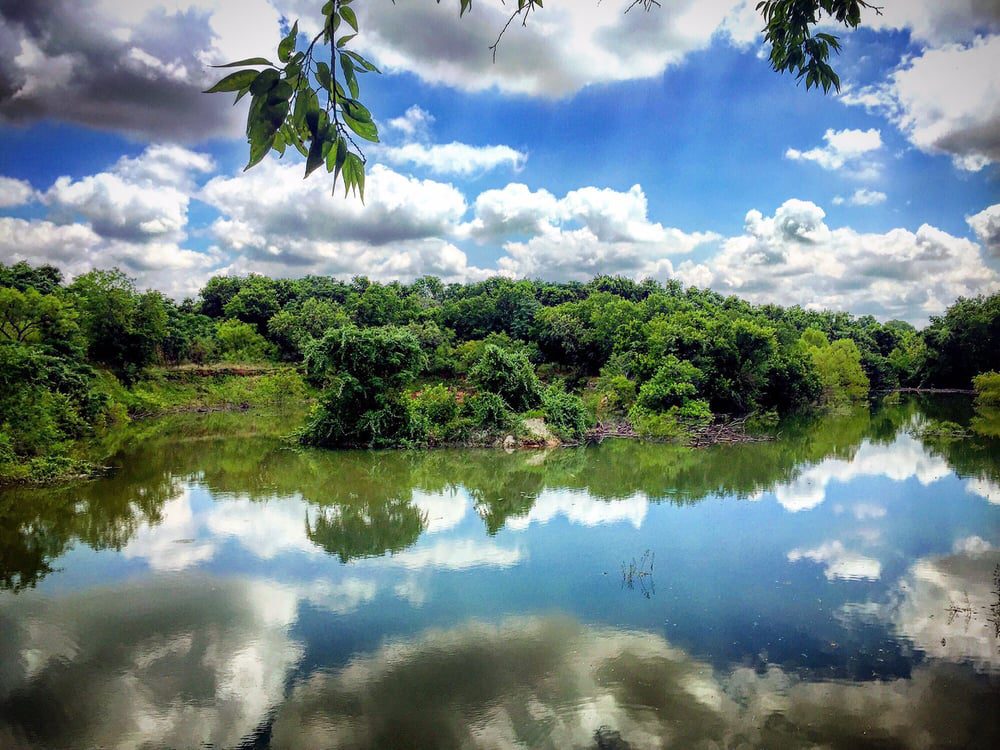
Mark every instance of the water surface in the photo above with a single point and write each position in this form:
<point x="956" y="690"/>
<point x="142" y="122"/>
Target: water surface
<point x="836" y="587"/>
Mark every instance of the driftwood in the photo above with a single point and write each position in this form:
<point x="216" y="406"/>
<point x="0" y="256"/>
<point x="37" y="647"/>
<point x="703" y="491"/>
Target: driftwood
<point x="724" y="431"/>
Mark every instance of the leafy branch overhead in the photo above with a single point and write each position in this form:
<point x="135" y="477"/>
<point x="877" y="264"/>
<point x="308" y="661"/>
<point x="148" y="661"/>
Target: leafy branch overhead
<point x="309" y="99"/>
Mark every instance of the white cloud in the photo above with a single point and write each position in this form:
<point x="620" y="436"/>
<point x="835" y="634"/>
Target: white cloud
<point x="862" y="197"/>
<point x="579" y="507"/>
<point x="795" y="258"/>
<point x="944" y="605"/>
<point x="839" y="562"/>
<point x="946" y="100"/>
<point x="453" y="554"/>
<point x="905" y="458"/>
<point x="561" y="50"/>
<point x="938" y="22"/>
<point x="454" y="158"/>
<point x="845" y="149"/>
<point x="986" y="225"/>
<point x="589" y="231"/>
<point x="972" y="545"/>
<point x="138" y="199"/>
<point x="441" y="510"/>
<point x="136" y="67"/>
<point x="77" y="248"/>
<point x="173" y="543"/>
<point x="985" y="488"/>
<point x="15" y="193"/>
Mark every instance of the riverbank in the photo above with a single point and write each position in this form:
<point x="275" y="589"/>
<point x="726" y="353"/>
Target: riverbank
<point x="162" y="391"/>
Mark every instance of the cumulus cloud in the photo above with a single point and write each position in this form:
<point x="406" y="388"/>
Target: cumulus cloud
<point x="137" y="67"/>
<point x="134" y="215"/>
<point x="454" y="158"/>
<point x="275" y="222"/>
<point x="903" y="459"/>
<point x="862" y="197"/>
<point x="793" y="257"/>
<point x="849" y="150"/>
<point x="944" y="605"/>
<point x="589" y="231"/>
<point x="934" y="22"/>
<point x="77" y="248"/>
<point x="986" y="225"/>
<point x="559" y="51"/>
<point x="946" y="100"/>
<point x="580" y="507"/>
<point x="839" y="562"/>
<point x="138" y="199"/>
<point x="15" y="193"/>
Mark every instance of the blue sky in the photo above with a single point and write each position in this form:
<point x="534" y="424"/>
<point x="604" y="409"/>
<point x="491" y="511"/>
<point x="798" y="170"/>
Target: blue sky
<point x="656" y="145"/>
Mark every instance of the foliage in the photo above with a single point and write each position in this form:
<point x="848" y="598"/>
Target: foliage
<point x="838" y="365"/>
<point x="963" y="342"/>
<point x="490" y="413"/>
<point x="987" y="387"/>
<point x="363" y="372"/>
<point x="667" y="356"/>
<point x="123" y="328"/>
<point x="312" y="105"/>
<point x="509" y="375"/>
<point x="674" y="384"/>
<point x="240" y="342"/>
<point x="565" y="413"/>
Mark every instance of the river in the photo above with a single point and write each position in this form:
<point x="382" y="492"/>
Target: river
<point x="836" y="587"/>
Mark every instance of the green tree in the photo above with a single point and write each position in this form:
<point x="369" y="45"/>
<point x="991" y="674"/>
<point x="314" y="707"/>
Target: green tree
<point x="363" y="372"/>
<point x="123" y="328"/>
<point x="838" y="365"/>
<point x="28" y="317"/>
<point x="508" y="375"/>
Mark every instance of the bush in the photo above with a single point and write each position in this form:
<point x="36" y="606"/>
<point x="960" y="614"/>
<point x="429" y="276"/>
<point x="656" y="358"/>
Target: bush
<point x="240" y="342"/>
<point x="365" y="372"/>
<point x="987" y="385"/>
<point x="490" y="413"/>
<point x="439" y="407"/>
<point x="565" y="413"/>
<point x="676" y="423"/>
<point x="509" y="375"/>
<point x="674" y="383"/>
<point x="618" y="393"/>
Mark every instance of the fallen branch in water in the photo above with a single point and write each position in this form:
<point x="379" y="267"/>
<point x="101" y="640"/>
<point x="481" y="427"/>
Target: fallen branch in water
<point x="723" y="431"/>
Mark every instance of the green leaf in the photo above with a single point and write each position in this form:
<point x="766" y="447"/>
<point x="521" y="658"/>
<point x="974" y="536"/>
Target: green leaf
<point x="234" y="82"/>
<point x="248" y="61"/>
<point x="362" y="62"/>
<point x="335" y="158"/>
<point x="287" y="45"/>
<point x="366" y="130"/>
<point x="348" y="15"/>
<point x="352" y="81"/>
<point x="323" y="75"/>
<point x="357" y="110"/>
<point x="354" y="174"/>
<point x="344" y="40"/>
<point x="263" y="82"/>
<point x="314" y="159"/>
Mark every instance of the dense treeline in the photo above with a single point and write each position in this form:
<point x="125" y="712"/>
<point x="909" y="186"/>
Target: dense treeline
<point x="412" y="364"/>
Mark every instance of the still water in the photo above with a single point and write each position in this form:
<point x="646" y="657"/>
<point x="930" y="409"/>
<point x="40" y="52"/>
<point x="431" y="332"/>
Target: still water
<point x="834" y="588"/>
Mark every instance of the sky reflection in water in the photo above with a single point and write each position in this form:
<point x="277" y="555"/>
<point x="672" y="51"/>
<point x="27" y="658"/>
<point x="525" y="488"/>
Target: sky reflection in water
<point x="835" y="587"/>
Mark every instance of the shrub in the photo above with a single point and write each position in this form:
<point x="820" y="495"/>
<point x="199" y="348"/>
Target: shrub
<point x="987" y="385"/>
<point x="509" y="375"/>
<point x="672" y="385"/>
<point x="239" y="341"/>
<point x="489" y="412"/>
<point x="564" y="412"/>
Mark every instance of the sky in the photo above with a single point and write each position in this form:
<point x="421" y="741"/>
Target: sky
<point x="652" y="145"/>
